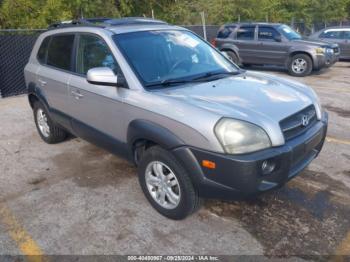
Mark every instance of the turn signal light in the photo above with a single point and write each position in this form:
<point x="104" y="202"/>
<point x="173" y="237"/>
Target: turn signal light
<point x="208" y="164"/>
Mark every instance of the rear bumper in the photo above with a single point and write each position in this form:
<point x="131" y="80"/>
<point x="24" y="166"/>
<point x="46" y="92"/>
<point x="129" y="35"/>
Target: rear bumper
<point x="237" y="177"/>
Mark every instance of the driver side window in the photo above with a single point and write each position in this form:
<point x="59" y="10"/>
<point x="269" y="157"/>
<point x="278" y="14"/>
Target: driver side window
<point x="94" y="52"/>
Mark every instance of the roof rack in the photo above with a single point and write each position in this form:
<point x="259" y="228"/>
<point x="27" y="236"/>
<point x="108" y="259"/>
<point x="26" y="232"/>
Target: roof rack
<point x="105" y="22"/>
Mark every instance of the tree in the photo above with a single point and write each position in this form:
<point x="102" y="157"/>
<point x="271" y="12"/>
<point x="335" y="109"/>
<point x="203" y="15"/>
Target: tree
<point x="40" y="13"/>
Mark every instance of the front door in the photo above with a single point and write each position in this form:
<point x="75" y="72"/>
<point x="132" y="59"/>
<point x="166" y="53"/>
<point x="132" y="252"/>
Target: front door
<point x="345" y="45"/>
<point x="96" y="110"/>
<point x="271" y="49"/>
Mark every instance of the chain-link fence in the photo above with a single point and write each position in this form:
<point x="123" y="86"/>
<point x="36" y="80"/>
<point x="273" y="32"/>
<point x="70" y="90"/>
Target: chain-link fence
<point x="305" y="29"/>
<point x="15" y="48"/>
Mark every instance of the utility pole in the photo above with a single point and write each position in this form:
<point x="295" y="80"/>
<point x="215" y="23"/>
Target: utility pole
<point x="204" y="26"/>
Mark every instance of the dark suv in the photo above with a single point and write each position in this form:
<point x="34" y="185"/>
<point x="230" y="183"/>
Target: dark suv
<point x="275" y="44"/>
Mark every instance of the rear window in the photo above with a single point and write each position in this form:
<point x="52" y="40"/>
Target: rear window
<point x="226" y="31"/>
<point x="246" y="33"/>
<point x="43" y="50"/>
<point x="60" y="51"/>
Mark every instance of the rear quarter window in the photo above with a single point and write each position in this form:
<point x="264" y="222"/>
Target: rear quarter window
<point x="226" y="32"/>
<point x="60" y="51"/>
<point x="42" y="53"/>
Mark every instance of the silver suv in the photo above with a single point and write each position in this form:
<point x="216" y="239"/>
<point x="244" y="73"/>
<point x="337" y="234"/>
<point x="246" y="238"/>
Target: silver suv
<point x="195" y="124"/>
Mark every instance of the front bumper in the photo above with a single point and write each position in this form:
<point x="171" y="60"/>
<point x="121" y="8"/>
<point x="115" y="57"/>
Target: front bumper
<point x="241" y="176"/>
<point x="326" y="60"/>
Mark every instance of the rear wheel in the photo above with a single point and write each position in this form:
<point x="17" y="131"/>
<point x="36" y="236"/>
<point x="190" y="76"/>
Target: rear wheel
<point x="300" y="65"/>
<point x="47" y="129"/>
<point x="233" y="57"/>
<point x="166" y="184"/>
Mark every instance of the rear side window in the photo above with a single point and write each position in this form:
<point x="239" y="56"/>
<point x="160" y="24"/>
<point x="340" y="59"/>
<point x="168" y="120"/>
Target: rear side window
<point x="60" y="51"/>
<point x="226" y="31"/>
<point x="267" y="34"/>
<point x="331" y="34"/>
<point x="246" y="33"/>
<point x="43" y="50"/>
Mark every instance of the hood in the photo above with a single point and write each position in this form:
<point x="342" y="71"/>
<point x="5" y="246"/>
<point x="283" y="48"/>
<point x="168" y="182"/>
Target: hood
<point x="315" y="43"/>
<point x="249" y="96"/>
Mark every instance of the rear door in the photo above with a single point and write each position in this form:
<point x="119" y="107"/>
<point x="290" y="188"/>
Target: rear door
<point x="271" y="49"/>
<point x="55" y="71"/>
<point x="246" y="42"/>
<point x="97" y="111"/>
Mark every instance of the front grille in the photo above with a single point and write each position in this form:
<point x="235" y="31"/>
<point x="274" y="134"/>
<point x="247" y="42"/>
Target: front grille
<point x="294" y="125"/>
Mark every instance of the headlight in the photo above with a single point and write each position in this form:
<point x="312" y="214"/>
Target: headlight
<point x="330" y="51"/>
<point x="239" y="137"/>
<point x="320" y="50"/>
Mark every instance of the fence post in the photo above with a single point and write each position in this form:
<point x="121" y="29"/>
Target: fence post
<point x="204" y="26"/>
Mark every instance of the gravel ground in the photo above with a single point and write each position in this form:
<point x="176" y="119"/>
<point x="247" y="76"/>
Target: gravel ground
<point x="76" y="199"/>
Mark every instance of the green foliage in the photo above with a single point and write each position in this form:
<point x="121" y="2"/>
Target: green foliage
<point x="40" y="13"/>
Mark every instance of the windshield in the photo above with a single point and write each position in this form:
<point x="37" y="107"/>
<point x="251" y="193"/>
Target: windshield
<point x="170" y="56"/>
<point x="289" y="33"/>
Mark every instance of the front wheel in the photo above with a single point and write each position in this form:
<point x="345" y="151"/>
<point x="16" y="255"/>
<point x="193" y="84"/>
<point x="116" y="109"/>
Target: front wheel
<point x="166" y="184"/>
<point x="300" y="65"/>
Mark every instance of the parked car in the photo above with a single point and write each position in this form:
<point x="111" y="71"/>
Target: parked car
<point x="338" y="35"/>
<point x="274" y="44"/>
<point x="196" y="125"/>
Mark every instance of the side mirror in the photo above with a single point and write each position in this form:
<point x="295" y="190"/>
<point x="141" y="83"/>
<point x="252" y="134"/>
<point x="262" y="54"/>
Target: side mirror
<point x="102" y="76"/>
<point x="278" y="38"/>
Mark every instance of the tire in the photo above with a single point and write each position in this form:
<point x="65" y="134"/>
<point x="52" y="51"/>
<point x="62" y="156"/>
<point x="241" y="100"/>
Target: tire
<point x="51" y="133"/>
<point x="188" y="201"/>
<point x="233" y="57"/>
<point x="300" y="65"/>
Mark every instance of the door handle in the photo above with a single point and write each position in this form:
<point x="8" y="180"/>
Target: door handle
<point x="42" y="82"/>
<point x="77" y="94"/>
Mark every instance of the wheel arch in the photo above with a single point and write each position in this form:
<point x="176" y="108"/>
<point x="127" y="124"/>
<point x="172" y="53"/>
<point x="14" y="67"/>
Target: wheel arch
<point x="297" y="52"/>
<point x="36" y="94"/>
<point x="144" y="133"/>
<point x="231" y="48"/>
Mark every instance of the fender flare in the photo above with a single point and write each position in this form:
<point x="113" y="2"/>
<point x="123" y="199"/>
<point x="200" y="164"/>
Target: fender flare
<point x="292" y="51"/>
<point x="140" y="129"/>
<point x="33" y="90"/>
<point x="232" y="48"/>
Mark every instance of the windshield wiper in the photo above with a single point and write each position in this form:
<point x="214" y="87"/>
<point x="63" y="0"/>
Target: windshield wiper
<point x="169" y="81"/>
<point x="176" y="81"/>
<point x="211" y="74"/>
